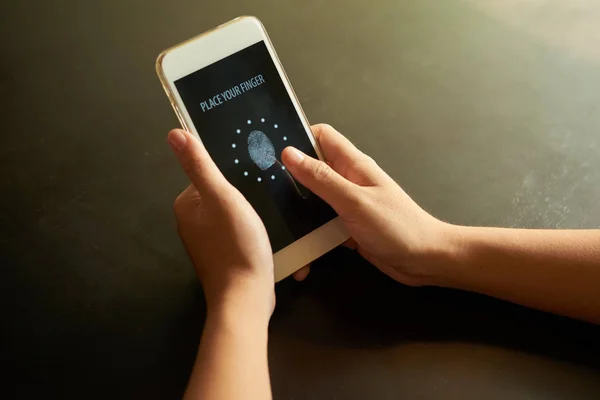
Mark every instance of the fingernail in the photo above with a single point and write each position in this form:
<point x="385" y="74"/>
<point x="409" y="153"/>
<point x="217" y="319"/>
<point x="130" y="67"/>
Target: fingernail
<point x="177" y="139"/>
<point x="295" y="156"/>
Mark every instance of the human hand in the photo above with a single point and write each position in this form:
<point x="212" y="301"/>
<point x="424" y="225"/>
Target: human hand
<point x="224" y="237"/>
<point x="386" y="226"/>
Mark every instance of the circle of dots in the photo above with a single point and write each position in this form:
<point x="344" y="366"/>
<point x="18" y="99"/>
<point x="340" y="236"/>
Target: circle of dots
<point x="233" y="145"/>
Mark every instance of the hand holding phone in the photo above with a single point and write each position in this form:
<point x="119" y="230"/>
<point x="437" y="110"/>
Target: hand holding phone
<point x="223" y="235"/>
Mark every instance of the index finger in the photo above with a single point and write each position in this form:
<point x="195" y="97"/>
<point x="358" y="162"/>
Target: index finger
<point x="337" y="149"/>
<point x="195" y="161"/>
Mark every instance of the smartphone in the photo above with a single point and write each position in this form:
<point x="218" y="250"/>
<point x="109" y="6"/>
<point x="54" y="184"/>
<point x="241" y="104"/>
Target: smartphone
<point x="228" y="88"/>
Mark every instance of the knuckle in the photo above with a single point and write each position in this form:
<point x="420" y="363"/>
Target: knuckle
<point x="321" y="171"/>
<point x="187" y="201"/>
<point x="318" y="129"/>
<point x="364" y="162"/>
<point x="368" y="160"/>
<point x="192" y="165"/>
<point x="366" y="166"/>
<point x="323" y="127"/>
<point x="359" y="165"/>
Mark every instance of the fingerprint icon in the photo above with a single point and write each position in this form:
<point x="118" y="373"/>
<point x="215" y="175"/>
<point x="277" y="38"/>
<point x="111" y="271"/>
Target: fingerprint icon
<point x="261" y="150"/>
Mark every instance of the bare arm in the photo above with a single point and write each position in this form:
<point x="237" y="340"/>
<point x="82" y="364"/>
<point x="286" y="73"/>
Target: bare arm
<point x="553" y="270"/>
<point x="232" y="358"/>
<point x="228" y="245"/>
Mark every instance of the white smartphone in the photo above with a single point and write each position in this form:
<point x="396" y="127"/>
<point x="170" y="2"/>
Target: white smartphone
<point x="228" y="87"/>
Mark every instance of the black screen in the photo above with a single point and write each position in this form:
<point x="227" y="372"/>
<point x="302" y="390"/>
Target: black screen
<point x="245" y="118"/>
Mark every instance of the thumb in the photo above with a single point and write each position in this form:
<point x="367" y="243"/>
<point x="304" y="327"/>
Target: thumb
<point x="195" y="161"/>
<point x="320" y="178"/>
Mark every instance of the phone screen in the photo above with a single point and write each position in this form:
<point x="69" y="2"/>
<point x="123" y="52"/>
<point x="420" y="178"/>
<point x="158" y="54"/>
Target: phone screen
<point x="245" y="118"/>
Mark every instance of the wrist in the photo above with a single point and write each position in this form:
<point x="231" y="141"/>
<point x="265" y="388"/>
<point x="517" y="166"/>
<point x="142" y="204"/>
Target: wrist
<point x="238" y="320"/>
<point x="245" y="299"/>
<point x="441" y="260"/>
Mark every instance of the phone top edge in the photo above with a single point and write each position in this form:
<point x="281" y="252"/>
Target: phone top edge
<point x="167" y="51"/>
<point x="168" y="77"/>
<point x="160" y="60"/>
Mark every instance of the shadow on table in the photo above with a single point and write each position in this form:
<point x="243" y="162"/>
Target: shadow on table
<point x="346" y="302"/>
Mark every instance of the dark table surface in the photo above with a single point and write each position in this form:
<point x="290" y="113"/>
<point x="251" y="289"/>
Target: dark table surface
<point x="486" y="112"/>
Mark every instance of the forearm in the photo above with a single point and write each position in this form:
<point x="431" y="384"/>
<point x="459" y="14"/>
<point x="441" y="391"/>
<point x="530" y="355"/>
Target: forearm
<point x="552" y="270"/>
<point x="232" y="357"/>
